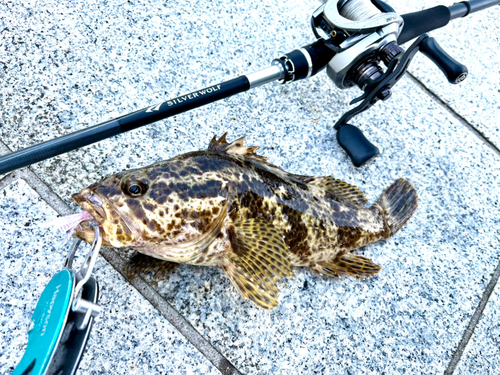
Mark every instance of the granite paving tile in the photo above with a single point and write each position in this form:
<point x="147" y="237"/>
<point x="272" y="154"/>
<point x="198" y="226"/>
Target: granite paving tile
<point x="129" y="337"/>
<point x="116" y="57"/>
<point x="483" y="351"/>
<point x="66" y="67"/>
<point x="410" y="318"/>
<point x="475" y="42"/>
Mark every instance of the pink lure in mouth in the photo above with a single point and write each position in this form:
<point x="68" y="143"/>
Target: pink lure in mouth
<point x="68" y="223"/>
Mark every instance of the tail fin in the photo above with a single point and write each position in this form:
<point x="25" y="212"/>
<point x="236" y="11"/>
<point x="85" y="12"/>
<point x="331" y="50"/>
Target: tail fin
<point x="399" y="202"/>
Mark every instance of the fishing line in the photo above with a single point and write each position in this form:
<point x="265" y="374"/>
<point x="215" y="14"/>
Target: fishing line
<point x="357" y="10"/>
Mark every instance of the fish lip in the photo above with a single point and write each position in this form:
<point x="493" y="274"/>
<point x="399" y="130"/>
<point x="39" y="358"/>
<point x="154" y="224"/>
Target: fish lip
<point x="91" y="201"/>
<point x="87" y="234"/>
<point x="97" y="212"/>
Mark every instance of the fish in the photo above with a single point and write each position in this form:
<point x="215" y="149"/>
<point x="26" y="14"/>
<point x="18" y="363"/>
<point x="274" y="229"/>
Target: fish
<point x="229" y="207"/>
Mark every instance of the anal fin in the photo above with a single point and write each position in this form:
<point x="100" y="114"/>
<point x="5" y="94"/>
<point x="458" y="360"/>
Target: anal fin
<point x="142" y="265"/>
<point x="352" y="264"/>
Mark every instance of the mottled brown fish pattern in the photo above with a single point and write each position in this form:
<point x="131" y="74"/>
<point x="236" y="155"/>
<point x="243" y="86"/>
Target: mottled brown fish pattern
<point x="229" y="207"/>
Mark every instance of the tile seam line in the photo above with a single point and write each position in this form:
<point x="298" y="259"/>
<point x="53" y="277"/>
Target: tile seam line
<point x="469" y="331"/>
<point x="455" y="114"/>
<point x="8" y="179"/>
<point x="173" y="316"/>
<point x="183" y="326"/>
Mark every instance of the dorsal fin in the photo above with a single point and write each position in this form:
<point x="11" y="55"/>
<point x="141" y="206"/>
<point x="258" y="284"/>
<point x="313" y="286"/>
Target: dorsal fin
<point x="238" y="148"/>
<point x="340" y="190"/>
<point x="336" y="189"/>
<point x="305" y="179"/>
<point x="235" y="148"/>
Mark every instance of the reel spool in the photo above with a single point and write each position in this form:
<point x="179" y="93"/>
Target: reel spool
<point x="355" y="10"/>
<point x="363" y="33"/>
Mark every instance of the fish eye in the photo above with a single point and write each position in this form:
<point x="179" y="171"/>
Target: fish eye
<point x="135" y="188"/>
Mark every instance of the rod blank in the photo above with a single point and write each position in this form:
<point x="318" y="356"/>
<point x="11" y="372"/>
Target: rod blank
<point x="142" y="117"/>
<point x="110" y="128"/>
<point x="467" y="7"/>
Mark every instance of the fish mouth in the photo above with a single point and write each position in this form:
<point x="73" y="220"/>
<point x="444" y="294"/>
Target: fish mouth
<point x="94" y="204"/>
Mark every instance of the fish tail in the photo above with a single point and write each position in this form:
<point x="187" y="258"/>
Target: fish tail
<point x="399" y="201"/>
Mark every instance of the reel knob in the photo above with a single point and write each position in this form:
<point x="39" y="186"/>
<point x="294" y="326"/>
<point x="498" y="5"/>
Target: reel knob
<point x="452" y="69"/>
<point x="359" y="149"/>
<point x="390" y="52"/>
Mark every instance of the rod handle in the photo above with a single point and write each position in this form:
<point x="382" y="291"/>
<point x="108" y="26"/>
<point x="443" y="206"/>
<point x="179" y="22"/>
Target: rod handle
<point x="422" y="22"/>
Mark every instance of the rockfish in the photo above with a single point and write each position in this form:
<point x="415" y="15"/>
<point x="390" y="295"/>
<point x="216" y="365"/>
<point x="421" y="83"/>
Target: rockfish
<point x="228" y="207"/>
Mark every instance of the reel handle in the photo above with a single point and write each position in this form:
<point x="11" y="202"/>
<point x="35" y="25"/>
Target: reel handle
<point x="452" y="69"/>
<point x="359" y="149"/>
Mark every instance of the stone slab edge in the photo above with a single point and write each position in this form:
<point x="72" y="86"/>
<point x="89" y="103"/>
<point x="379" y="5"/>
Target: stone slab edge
<point x="469" y="331"/>
<point x="474" y="130"/>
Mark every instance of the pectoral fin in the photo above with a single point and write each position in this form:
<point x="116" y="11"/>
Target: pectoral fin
<point x="141" y="265"/>
<point x="353" y="264"/>
<point x="256" y="261"/>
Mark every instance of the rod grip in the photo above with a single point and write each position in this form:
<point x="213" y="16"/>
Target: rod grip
<point x="422" y="22"/>
<point x="320" y="55"/>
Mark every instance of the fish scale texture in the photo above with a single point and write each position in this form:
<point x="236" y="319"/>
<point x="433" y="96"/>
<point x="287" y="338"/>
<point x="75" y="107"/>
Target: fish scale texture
<point x="64" y="67"/>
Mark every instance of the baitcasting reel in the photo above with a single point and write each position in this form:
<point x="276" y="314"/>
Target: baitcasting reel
<point x="361" y="36"/>
<point x="364" y="35"/>
<point x="364" y="38"/>
<point x="359" y="44"/>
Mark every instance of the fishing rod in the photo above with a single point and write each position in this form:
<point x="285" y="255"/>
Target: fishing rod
<point x="353" y="39"/>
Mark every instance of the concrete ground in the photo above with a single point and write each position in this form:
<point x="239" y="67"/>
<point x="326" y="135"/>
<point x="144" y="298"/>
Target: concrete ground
<point x="433" y="309"/>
